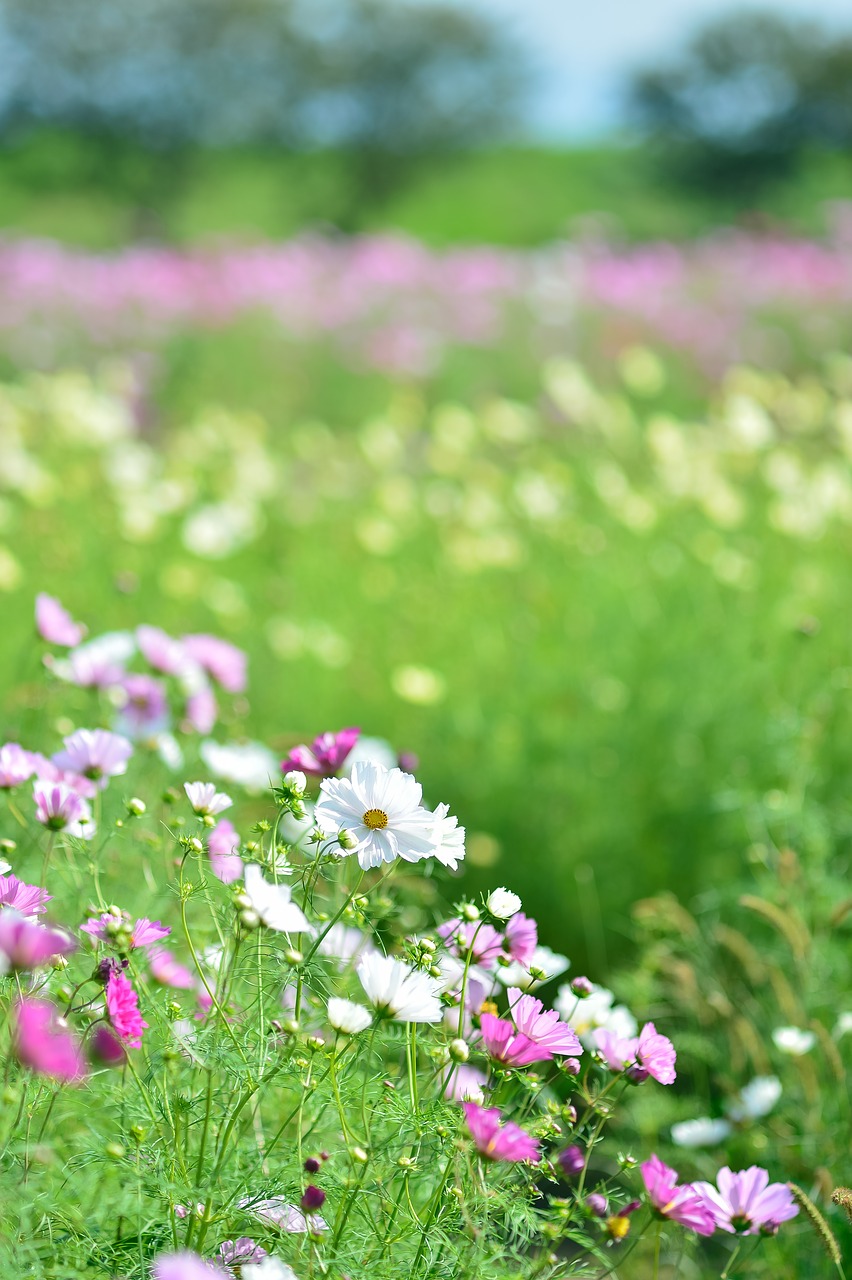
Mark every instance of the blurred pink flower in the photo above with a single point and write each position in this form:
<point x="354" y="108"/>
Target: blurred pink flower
<point x="95" y="753"/>
<point x="105" y="1047"/>
<point x="521" y="937"/>
<point x="44" y="1043"/>
<point x="16" y="765"/>
<point x="143" y="933"/>
<point x="27" y="945"/>
<point x="145" y="710"/>
<point x="201" y="710"/>
<point x="325" y="755"/>
<point x="497" y="1140"/>
<point x="286" y="1217"/>
<point x="123" y="1009"/>
<point x="222" y="845"/>
<point x="186" y="1266"/>
<point x="168" y="971"/>
<point x="680" y="1204"/>
<point x="648" y="1054"/>
<point x="464" y="1084"/>
<point x="162" y="652"/>
<point x="29" y="899"/>
<point x="746" y="1203"/>
<point x="55" y="624"/>
<point x="223" y="662"/>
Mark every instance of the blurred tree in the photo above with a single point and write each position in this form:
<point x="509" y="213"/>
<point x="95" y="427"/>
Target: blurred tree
<point x="390" y="83"/>
<point x="750" y="93"/>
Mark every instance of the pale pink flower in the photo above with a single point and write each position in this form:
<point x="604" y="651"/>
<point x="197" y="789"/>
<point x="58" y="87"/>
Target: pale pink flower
<point x="542" y="1026"/>
<point x="162" y="652"/>
<point x="498" y="1140"/>
<point x="145" y="710"/>
<point x="465" y="1084"/>
<point x="521" y="937"/>
<point x="205" y="799"/>
<point x="28" y="899"/>
<point x="201" y="710"/>
<point x="123" y="1009"/>
<point x="234" y="1253"/>
<point x="55" y="624"/>
<point x="648" y="1054"/>
<point x="143" y="933"/>
<point x="483" y="941"/>
<point x="223" y="662"/>
<point x="168" y="971"/>
<point x="746" y="1203"/>
<point x="27" y="945"/>
<point x="49" y="771"/>
<point x="16" y="765"/>
<point x="324" y="756"/>
<point x="60" y="809"/>
<point x="95" y="753"/>
<point x="286" y="1217"/>
<point x="222" y="845"/>
<point x="44" y="1043"/>
<point x="507" y="1046"/>
<point x="679" y="1203"/>
<point x="186" y="1266"/>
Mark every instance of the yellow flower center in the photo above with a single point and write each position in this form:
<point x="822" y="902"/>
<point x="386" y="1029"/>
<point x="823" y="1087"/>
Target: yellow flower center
<point x="375" y="819"/>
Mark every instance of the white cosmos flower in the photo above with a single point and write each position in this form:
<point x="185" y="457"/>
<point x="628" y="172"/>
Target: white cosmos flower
<point x="449" y="838"/>
<point x="394" y="988"/>
<point x="595" y="1010"/>
<point x="246" y="764"/>
<point x="793" y="1040"/>
<point x="205" y="799"/>
<point x="347" y="1016"/>
<point x="842" y="1027"/>
<point x="503" y="904"/>
<point x="756" y="1099"/>
<point x="344" y="943"/>
<point x="273" y="904"/>
<point x="544" y="961"/>
<point x="702" y="1132"/>
<point x="381" y="809"/>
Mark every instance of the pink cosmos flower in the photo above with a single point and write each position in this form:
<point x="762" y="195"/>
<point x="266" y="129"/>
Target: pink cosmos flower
<point x="205" y="799"/>
<point x="484" y="942"/>
<point x="95" y="753"/>
<point x="123" y="1009"/>
<point x="233" y="1253"/>
<point x="162" y="652"/>
<point x="680" y="1204"/>
<point x="55" y="624"/>
<point x="544" y="1028"/>
<point x="60" y="809"/>
<point x="144" y="931"/>
<point x="201" y="710"/>
<point x="286" y="1217"/>
<point x="746" y="1203"/>
<point x="521" y="937"/>
<point x="49" y="771"/>
<point x="106" y="1048"/>
<point x="507" y="1046"/>
<point x="325" y="755"/>
<point x="28" y="899"/>
<point x="465" y="1084"/>
<point x="223" y="662"/>
<point x="648" y="1054"/>
<point x="44" y="1043"/>
<point x="168" y="971"/>
<point x="496" y="1140"/>
<point x="186" y="1266"/>
<point x="16" y="765"/>
<point x="222" y="845"/>
<point x="27" y="945"/>
<point x="145" y="711"/>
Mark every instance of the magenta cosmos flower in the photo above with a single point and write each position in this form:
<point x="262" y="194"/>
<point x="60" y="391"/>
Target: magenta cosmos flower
<point x="498" y="1140"/>
<point x="55" y="624"/>
<point x="509" y="1047"/>
<point x="325" y="755"/>
<point x="29" y="899"/>
<point x="143" y="933"/>
<point x="222" y="845"/>
<point x="542" y="1027"/>
<point x="16" y="765"/>
<point x="26" y="945"/>
<point x="123" y="1009"/>
<point x="681" y="1204"/>
<point x="223" y="662"/>
<point x="44" y="1043"/>
<point x="60" y="809"/>
<point x="648" y="1054"/>
<point x="95" y="753"/>
<point x="186" y="1266"/>
<point x="746" y="1203"/>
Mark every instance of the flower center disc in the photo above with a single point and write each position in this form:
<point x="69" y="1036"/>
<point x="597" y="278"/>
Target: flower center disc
<point x="375" y="819"/>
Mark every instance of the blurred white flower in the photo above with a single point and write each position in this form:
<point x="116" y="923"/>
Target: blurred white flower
<point x="374" y="751"/>
<point x="246" y="764"/>
<point x="843" y="1025"/>
<point x="755" y="1099"/>
<point x="544" y="965"/>
<point x="702" y="1132"/>
<point x="595" y="1010"/>
<point x="793" y="1040"/>
<point x="347" y="1016"/>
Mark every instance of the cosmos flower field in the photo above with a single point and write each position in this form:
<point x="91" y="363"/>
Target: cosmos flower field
<point x="424" y="802"/>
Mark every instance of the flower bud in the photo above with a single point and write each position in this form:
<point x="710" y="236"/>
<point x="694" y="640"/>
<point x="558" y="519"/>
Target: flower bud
<point x="293" y="956"/>
<point x="136" y="807"/>
<point x="312" y="1165"/>
<point x="195" y="844"/>
<point x="469" y="911"/>
<point x="571" y="1066"/>
<point x="596" y="1204"/>
<point x="572" y="1160"/>
<point x="346" y="840"/>
<point x="459" y="1051"/>
<point x="249" y="919"/>
<point x="313" y="1199"/>
<point x="503" y="904"/>
<point x="296" y="781"/>
<point x="581" y="987"/>
<point x="114" y="1150"/>
<point x="359" y="1154"/>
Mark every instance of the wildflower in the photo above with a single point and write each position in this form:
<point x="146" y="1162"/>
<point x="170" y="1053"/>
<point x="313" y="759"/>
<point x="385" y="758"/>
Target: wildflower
<point x="143" y="933"/>
<point x="166" y="970"/>
<point x="246" y="764"/>
<point x="312" y="1199"/>
<point x="201" y="710"/>
<point x="449" y="838"/>
<point x="701" y="1132"/>
<point x="544" y="1028"/>
<point x="144" y="711"/>
<point x="55" y="624"/>
<point x="398" y="991"/>
<point x="29" y="899"/>
<point x="16" y="766"/>
<point x="482" y="941"/>
<point x="273" y="904"/>
<point x="343" y="943"/>
<point x="186" y="1266"/>
<point x="95" y="753"/>
<point x="756" y="1099"/>
<point x="347" y="1016"/>
<point x="381" y="810"/>
<point x="44" y="1043"/>
<point x="594" y="1010"/>
<point x="572" y="1160"/>
<point x="162" y="652"/>
<point x="507" y="1046"/>
<point x="648" y="1054"/>
<point x="286" y="1217"/>
<point x="60" y="809"/>
<point x="268" y="1268"/>
<point x="222" y="845"/>
<point x="597" y="1205"/>
<point x="521" y="938"/>
<point x="465" y="1084"/>
<point x="25" y="945"/>
<point x="106" y="1048"/>
<point x="581" y="987"/>
<point x="746" y="1203"/>
<point x="325" y="755"/>
<point x="205" y="799"/>
<point x="793" y="1040"/>
<point x="680" y="1204"/>
<point x="49" y="771"/>
<point x="498" y="1140"/>
<point x="223" y="662"/>
<point x="236" y="1253"/>
<point x="503" y="904"/>
<point x="123" y="1009"/>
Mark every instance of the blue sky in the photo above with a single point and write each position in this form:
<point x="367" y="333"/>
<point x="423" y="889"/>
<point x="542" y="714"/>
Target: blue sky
<point x="584" y="48"/>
